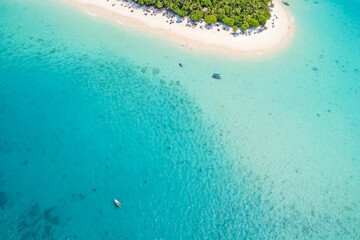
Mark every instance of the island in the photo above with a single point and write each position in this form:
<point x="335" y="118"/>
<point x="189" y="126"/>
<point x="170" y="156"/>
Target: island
<point x="234" y="27"/>
<point x="246" y="13"/>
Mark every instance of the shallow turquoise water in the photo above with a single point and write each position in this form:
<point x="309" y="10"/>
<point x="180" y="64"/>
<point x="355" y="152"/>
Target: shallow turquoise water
<point x="91" y="110"/>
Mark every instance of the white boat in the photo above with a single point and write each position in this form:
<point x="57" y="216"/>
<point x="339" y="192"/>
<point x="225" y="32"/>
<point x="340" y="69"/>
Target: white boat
<point x="117" y="202"/>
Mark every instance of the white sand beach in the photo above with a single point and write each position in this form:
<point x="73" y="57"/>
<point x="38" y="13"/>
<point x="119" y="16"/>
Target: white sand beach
<point x="217" y="38"/>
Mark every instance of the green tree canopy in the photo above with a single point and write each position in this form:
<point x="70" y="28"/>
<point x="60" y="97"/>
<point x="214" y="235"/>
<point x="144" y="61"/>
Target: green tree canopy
<point x="228" y="21"/>
<point x="206" y="3"/>
<point x="150" y="2"/>
<point x="182" y="13"/>
<point x="245" y="26"/>
<point x="262" y="20"/>
<point x="159" y="4"/>
<point x="209" y="19"/>
<point x="237" y="20"/>
<point x="253" y="23"/>
<point x="196" y="15"/>
<point x="230" y="12"/>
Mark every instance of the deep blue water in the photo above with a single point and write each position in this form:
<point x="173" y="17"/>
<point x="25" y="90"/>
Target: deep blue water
<point x="90" y="110"/>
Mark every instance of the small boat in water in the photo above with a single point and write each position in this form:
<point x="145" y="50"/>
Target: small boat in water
<point x="216" y="75"/>
<point x="285" y="3"/>
<point x="117" y="202"/>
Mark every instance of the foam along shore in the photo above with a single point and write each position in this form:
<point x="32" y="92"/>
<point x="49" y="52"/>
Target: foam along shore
<point x="215" y="38"/>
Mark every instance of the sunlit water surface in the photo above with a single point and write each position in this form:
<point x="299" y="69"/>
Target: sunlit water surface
<point x="91" y="110"/>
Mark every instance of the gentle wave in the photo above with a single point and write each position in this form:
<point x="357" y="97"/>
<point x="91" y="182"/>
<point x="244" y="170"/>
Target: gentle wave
<point x="92" y="14"/>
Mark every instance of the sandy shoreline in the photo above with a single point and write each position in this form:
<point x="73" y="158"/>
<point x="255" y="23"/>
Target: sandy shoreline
<point x="198" y="38"/>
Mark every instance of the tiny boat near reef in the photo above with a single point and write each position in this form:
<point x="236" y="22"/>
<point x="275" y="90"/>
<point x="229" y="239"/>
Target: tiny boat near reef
<point x="216" y="75"/>
<point x="117" y="202"/>
<point x="285" y="3"/>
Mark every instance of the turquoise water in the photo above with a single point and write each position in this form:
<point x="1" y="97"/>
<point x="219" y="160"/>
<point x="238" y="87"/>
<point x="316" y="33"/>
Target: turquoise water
<point x="91" y="110"/>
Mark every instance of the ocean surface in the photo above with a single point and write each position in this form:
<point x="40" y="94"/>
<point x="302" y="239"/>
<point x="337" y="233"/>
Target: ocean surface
<point x="91" y="110"/>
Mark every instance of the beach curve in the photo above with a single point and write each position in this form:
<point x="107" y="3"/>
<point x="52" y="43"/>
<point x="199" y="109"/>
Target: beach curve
<point x="280" y="28"/>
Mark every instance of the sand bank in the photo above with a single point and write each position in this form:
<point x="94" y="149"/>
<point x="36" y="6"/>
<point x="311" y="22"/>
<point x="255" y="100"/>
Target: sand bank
<point x="215" y="39"/>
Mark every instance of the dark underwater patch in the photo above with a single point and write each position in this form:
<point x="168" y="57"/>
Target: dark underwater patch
<point x="155" y="71"/>
<point x="3" y="199"/>
<point x="39" y="224"/>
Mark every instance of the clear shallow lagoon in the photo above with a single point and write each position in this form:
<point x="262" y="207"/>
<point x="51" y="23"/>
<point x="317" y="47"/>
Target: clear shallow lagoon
<point x="91" y="110"/>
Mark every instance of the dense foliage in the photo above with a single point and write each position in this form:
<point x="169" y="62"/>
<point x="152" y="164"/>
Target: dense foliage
<point x="247" y="13"/>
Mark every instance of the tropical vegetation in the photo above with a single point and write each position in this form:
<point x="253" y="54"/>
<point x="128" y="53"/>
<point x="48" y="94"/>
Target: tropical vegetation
<point x="244" y="13"/>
